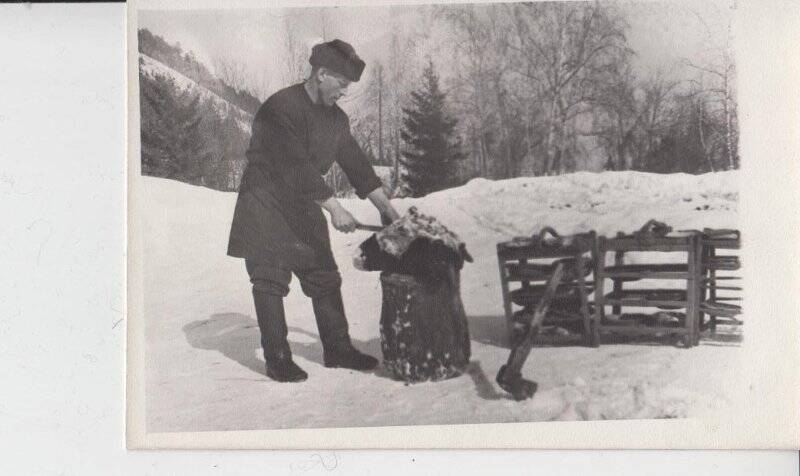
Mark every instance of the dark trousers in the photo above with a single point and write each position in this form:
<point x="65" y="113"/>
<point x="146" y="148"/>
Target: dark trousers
<point x="272" y="278"/>
<point x="322" y="283"/>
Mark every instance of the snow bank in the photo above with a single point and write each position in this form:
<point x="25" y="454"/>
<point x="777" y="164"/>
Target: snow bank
<point x="203" y="365"/>
<point x="605" y="202"/>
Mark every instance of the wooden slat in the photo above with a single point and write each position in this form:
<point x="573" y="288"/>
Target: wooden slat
<point x="716" y="308"/>
<point x="636" y="275"/>
<point x="645" y="297"/>
<point x="722" y="263"/>
<point x="648" y="243"/>
<point x="723" y="244"/>
<point x="636" y="246"/>
<point x="512" y="253"/>
<point x="728" y="321"/>
<point x="642" y="330"/>
<point x="724" y="288"/>
<point x="648" y="303"/>
<point x="542" y="272"/>
<point x="554" y="318"/>
<point x="663" y="267"/>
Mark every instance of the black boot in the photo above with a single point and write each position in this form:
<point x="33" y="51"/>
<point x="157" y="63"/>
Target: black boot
<point x="346" y="356"/>
<point x="337" y="349"/>
<point x="272" y="323"/>
<point x="285" y="371"/>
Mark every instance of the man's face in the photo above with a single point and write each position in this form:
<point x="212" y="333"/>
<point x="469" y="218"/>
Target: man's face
<point x="332" y="86"/>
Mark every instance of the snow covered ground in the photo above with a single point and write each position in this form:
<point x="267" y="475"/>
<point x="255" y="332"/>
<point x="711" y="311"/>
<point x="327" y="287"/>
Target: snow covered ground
<point x="203" y="365"/>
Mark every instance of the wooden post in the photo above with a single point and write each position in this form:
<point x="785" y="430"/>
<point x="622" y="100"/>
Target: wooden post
<point x="692" y="307"/>
<point x="712" y="282"/>
<point x="618" y="261"/>
<point x="506" y="297"/>
<point x="599" y="289"/>
<point x="579" y="267"/>
<point x="699" y="285"/>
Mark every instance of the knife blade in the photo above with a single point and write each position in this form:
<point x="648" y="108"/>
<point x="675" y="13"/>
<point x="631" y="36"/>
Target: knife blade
<point x="374" y="228"/>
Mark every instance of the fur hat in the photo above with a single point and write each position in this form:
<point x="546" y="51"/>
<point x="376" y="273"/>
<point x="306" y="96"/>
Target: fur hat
<point x="340" y="57"/>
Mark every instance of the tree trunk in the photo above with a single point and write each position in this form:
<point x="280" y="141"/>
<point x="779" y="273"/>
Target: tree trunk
<point x="529" y="154"/>
<point x="550" y="149"/>
<point x="484" y="168"/>
<point x="424" y="334"/>
<point x="703" y="140"/>
<point x="476" y="151"/>
<point x="380" y="115"/>
<point x="620" y="143"/>
<point x="504" y="135"/>
<point x="396" y="178"/>
<point x="729" y="126"/>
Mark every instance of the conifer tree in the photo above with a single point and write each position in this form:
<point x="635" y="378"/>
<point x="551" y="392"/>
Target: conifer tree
<point x="432" y="151"/>
<point x="172" y="142"/>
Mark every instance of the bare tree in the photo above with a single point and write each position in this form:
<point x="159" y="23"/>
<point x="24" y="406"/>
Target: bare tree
<point x="296" y="57"/>
<point x="480" y="82"/>
<point x="619" y="115"/>
<point x="655" y="114"/>
<point x="564" y="48"/>
<point x="632" y="114"/>
<point x="716" y="80"/>
<point x="377" y="119"/>
<point x="232" y="72"/>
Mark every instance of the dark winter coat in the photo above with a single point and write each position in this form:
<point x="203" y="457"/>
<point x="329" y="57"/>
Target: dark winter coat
<point x="294" y="143"/>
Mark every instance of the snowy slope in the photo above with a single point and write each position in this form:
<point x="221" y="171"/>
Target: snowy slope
<point x="152" y="66"/>
<point x="204" y="369"/>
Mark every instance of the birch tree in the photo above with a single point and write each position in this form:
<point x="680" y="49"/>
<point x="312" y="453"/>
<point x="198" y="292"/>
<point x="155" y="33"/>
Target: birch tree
<point x="564" y="48"/>
<point x="716" y="79"/>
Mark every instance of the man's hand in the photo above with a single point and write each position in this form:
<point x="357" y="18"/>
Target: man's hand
<point x="342" y="219"/>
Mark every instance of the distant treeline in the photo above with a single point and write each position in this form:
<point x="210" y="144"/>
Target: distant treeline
<point x="185" y="63"/>
<point x="548" y="88"/>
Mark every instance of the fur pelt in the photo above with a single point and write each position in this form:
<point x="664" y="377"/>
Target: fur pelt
<point x="416" y="245"/>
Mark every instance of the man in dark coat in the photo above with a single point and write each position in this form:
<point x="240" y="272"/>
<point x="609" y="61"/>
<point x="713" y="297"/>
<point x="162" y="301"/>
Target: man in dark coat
<point x="278" y="225"/>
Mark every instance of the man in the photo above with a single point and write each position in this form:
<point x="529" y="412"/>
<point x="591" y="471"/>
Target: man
<point x="278" y="225"/>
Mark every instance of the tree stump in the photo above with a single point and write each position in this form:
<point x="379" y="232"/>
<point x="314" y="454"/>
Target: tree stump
<point x="424" y="334"/>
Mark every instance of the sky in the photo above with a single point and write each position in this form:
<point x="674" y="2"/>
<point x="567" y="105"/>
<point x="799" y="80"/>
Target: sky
<point x="662" y="33"/>
<point x="255" y="38"/>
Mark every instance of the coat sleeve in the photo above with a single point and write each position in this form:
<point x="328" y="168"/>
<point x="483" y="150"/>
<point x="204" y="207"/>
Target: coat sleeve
<point x="279" y="132"/>
<point x="355" y="164"/>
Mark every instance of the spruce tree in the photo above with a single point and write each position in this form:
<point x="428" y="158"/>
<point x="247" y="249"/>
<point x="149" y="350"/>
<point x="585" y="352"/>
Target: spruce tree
<point x="432" y="151"/>
<point x="173" y="144"/>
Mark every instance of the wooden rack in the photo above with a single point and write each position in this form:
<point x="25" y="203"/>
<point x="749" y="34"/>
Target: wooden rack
<point x="531" y="262"/>
<point x="667" y="301"/>
<point x="716" y="277"/>
<point x="709" y="286"/>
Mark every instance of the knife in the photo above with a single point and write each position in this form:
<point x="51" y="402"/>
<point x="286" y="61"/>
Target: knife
<point x="374" y="228"/>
